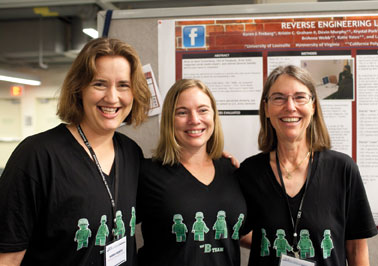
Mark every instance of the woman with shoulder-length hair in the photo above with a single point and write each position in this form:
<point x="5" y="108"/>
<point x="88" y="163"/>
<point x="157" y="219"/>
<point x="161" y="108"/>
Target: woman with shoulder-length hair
<point x="304" y="200"/>
<point x="73" y="188"/>
<point x="191" y="207"/>
<point x="267" y="139"/>
<point x="168" y="150"/>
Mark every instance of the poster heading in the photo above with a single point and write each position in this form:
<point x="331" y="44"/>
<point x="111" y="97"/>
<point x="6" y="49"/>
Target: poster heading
<point x="328" y="24"/>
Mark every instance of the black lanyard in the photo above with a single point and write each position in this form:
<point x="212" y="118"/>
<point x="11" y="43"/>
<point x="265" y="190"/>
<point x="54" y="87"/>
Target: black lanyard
<point x="299" y="214"/>
<point x="94" y="157"/>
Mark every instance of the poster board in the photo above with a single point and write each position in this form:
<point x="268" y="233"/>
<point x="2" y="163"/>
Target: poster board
<point x="156" y="36"/>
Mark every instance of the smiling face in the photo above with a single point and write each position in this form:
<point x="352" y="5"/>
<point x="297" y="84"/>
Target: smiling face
<point x="289" y="120"/>
<point x="193" y="119"/>
<point x="108" y="99"/>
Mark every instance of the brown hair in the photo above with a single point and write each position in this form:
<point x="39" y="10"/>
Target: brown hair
<point x="317" y="134"/>
<point x="83" y="70"/>
<point x="168" y="150"/>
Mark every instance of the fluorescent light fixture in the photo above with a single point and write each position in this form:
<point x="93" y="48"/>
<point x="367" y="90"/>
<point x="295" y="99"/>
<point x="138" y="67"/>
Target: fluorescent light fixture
<point x="91" y="32"/>
<point x="19" y="78"/>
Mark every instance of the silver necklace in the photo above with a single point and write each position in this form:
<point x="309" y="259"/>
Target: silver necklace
<point x="288" y="173"/>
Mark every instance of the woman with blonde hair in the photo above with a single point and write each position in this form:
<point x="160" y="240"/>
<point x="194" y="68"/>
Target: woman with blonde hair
<point x="191" y="207"/>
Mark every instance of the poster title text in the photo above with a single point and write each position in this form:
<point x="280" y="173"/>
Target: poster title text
<point x="328" y="24"/>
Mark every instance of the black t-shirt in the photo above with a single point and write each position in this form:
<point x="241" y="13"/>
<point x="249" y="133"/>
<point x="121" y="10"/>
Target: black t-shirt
<point x="50" y="187"/>
<point x="183" y="220"/>
<point x="335" y="209"/>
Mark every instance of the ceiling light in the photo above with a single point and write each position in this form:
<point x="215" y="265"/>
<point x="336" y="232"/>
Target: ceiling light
<point x="19" y="78"/>
<point x="89" y="26"/>
<point x="91" y="32"/>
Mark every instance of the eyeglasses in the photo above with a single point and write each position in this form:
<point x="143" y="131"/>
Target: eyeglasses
<point x="279" y="99"/>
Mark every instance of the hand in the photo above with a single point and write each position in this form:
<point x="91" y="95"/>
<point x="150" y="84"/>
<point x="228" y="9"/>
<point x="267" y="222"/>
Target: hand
<point x="246" y="240"/>
<point x="234" y="161"/>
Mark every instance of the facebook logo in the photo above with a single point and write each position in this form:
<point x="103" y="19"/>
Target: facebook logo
<point x="193" y="36"/>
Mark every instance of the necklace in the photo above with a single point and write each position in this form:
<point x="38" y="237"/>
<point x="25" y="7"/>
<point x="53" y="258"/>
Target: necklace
<point x="288" y="173"/>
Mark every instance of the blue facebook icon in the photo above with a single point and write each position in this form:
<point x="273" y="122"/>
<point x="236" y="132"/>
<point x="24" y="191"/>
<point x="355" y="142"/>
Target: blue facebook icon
<point x="193" y="36"/>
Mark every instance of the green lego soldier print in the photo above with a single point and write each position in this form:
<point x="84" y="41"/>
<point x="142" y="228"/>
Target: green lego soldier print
<point x="236" y="228"/>
<point x="327" y="244"/>
<point x="220" y="225"/>
<point x="179" y="228"/>
<point x="265" y="244"/>
<point x="119" y="230"/>
<point x="132" y="222"/>
<point x="102" y="232"/>
<point x="306" y="249"/>
<point x="199" y="228"/>
<point x="281" y="245"/>
<point x="83" y="234"/>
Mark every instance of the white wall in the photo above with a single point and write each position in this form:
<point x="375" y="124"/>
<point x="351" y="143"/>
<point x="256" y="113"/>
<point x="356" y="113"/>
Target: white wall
<point x="33" y="112"/>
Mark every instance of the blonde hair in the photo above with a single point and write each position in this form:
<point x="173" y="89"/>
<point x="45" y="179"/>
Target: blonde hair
<point x="317" y="134"/>
<point x="168" y="150"/>
<point x="82" y="71"/>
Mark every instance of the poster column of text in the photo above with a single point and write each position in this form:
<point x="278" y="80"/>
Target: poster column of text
<point x="367" y="123"/>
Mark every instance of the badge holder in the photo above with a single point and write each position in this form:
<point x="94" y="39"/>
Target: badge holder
<point x="116" y="252"/>
<point x="292" y="261"/>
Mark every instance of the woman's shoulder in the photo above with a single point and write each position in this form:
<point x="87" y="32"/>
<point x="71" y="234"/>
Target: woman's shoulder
<point x="152" y="166"/>
<point x="147" y="163"/>
<point x="335" y="157"/>
<point x="128" y="145"/>
<point x="255" y="160"/>
<point x="40" y="146"/>
<point x="254" y="165"/>
<point x="153" y="172"/>
<point x="125" y="140"/>
<point x="337" y="162"/>
<point x="152" y="162"/>
<point x="49" y="138"/>
<point x="224" y="162"/>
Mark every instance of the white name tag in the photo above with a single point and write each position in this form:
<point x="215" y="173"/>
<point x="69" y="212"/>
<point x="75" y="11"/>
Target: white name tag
<point x="116" y="253"/>
<point x="291" y="261"/>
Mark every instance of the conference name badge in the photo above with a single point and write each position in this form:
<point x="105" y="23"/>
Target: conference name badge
<point x="116" y="252"/>
<point x="291" y="261"/>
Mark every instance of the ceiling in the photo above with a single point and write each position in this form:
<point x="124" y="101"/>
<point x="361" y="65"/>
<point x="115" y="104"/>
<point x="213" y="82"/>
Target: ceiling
<point x="41" y="33"/>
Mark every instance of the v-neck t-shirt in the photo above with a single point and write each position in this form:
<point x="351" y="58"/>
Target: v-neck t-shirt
<point x="167" y="193"/>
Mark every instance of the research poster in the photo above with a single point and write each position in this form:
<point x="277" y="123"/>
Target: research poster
<point x="234" y="56"/>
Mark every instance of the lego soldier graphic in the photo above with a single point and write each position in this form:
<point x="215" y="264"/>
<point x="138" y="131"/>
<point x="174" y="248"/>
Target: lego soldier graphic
<point x="265" y="244"/>
<point x="280" y="243"/>
<point x="82" y="235"/>
<point x="220" y="225"/>
<point x="132" y="222"/>
<point x="199" y="227"/>
<point x="305" y="245"/>
<point x="327" y="244"/>
<point x="119" y="230"/>
<point x="102" y="232"/>
<point x="236" y="228"/>
<point x="179" y="228"/>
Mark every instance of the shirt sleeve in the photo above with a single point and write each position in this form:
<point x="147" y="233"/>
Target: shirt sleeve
<point x="141" y="190"/>
<point x="245" y="186"/>
<point x="19" y="206"/>
<point x="359" y="220"/>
